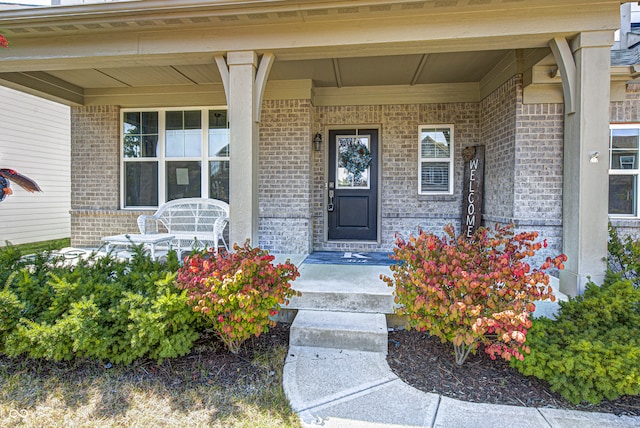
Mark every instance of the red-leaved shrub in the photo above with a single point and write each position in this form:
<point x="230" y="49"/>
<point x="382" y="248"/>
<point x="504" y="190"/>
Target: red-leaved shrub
<point x="472" y="291"/>
<point x="238" y="291"/>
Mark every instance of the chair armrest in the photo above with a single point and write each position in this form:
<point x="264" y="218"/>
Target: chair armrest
<point x="218" y="229"/>
<point x="142" y="224"/>
<point x="219" y="225"/>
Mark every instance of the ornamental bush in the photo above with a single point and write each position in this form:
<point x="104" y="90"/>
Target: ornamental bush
<point x="623" y="258"/>
<point x="471" y="292"/>
<point x="101" y="307"/>
<point x="237" y="291"/>
<point x="591" y="351"/>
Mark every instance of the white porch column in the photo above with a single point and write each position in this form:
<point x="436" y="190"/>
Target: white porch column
<point x="244" y="98"/>
<point x="586" y="182"/>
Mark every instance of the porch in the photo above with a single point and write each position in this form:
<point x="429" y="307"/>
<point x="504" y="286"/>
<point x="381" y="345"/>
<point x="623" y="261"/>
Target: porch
<point x="527" y="81"/>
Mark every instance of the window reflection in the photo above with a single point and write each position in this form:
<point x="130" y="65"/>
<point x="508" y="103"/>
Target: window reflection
<point x="141" y="184"/>
<point x="183" y="179"/>
<point x="219" y="180"/>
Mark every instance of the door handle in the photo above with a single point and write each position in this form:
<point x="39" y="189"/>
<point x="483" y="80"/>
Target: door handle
<point x="331" y="195"/>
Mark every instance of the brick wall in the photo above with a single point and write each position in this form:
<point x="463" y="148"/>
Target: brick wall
<point x="95" y="158"/>
<point x="88" y="226"/>
<point x="629" y="109"/>
<point x="285" y="176"/>
<point x="403" y="210"/>
<point x="538" y="163"/>
<point x="497" y="122"/>
<point x="95" y="176"/>
<point x="523" y="170"/>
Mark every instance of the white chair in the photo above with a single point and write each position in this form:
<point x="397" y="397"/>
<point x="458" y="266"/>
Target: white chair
<point x="195" y="222"/>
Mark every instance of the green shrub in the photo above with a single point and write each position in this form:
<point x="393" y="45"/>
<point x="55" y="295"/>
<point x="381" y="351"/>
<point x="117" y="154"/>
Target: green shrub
<point x="100" y="308"/>
<point x="591" y="351"/>
<point x="471" y="291"/>
<point x="237" y="291"/>
<point x="623" y="258"/>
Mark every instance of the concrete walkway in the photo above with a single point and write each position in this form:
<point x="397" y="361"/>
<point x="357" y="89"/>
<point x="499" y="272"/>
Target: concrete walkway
<point x="342" y="388"/>
<point x="338" y="387"/>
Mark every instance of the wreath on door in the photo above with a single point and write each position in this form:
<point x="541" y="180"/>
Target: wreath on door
<point x="355" y="158"/>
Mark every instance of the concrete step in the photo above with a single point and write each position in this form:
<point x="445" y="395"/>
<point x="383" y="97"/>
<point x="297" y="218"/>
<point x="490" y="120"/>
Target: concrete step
<point x="341" y="330"/>
<point x="343" y="301"/>
<point x="343" y="289"/>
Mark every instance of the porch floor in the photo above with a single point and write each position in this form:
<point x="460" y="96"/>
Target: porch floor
<point x="360" y="277"/>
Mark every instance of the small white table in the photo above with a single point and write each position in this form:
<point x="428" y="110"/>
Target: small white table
<point x="148" y="240"/>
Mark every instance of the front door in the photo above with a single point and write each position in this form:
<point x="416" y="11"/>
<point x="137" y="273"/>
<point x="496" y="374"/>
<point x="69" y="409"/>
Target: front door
<point x="353" y="185"/>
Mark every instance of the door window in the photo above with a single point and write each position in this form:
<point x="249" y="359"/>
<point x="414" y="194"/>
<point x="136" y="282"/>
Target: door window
<point x="353" y="162"/>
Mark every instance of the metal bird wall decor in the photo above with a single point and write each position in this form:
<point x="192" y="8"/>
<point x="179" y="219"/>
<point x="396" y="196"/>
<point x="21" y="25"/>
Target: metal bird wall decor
<point x="11" y="175"/>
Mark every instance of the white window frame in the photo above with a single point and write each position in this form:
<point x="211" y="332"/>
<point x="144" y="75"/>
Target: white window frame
<point x="633" y="172"/>
<point x="162" y="160"/>
<point x="449" y="159"/>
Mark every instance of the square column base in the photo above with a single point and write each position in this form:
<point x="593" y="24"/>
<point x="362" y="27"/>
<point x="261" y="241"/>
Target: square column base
<point x="573" y="284"/>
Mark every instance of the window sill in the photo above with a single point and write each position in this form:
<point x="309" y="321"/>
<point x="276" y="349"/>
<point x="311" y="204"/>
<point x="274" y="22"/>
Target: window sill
<point x="624" y="221"/>
<point x="437" y="198"/>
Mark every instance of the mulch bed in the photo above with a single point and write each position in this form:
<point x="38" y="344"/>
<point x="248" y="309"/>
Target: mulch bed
<point x="211" y="363"/>
<point x="208" y="363"/>
<point x="428" y="365"/>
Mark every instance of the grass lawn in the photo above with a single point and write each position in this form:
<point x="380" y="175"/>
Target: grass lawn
<point x="208" y="388"/>
<point x="35" y="247"/>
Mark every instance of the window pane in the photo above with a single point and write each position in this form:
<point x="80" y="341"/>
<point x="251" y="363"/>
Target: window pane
<point x="219" y="180"/>
<point x="624" y="148"/>
<point x="141" y="184"/>
<point x="218" y="133"/>
<point x="131" y="146"/>
<point x="353" y="162"/>
<point x="173" y="120"/>
<point x="624" y="138"/>
<point x="218" y="142"/>
<point x="183" y="180"/>
<point x="192" y="119"/>
<point x="150" y="146"/>
<point x="218" y="119"/>
<point x="131" y="123"/>
<point x="622" y="194"/>
<point x="184" y="134"/>
<point x="150" y="122"/>
<point x="435" y="177"/>
<point x="174" y="144"/>
<point x="624" y="160"/>
<point x="140" y="134"/>
<point x="193" y="143"/>
<point x="435" y="143"/>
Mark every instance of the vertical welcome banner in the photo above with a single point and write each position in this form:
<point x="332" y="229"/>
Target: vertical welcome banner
<point x="472" y="189"/>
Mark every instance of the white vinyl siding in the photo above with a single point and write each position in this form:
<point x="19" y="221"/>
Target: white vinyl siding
<point x="36" y="141"/>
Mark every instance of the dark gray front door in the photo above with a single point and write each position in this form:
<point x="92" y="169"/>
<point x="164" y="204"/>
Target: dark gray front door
<point x="352" y="185"/>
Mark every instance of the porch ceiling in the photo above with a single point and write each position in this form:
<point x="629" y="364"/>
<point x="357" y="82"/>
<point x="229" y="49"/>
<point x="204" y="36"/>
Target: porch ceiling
<point x="99" y="53"/>
<point x="328" y="72"/>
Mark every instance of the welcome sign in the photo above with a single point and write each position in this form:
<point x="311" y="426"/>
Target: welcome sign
<point x="473" y="186"/>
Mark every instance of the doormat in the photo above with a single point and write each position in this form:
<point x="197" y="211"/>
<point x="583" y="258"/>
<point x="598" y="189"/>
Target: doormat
<point x="348" y="258"/>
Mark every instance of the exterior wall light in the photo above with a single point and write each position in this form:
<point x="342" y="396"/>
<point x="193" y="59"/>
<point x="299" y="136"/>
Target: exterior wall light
<point x="317" y="142"/>
<point x="593" y="157"/>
